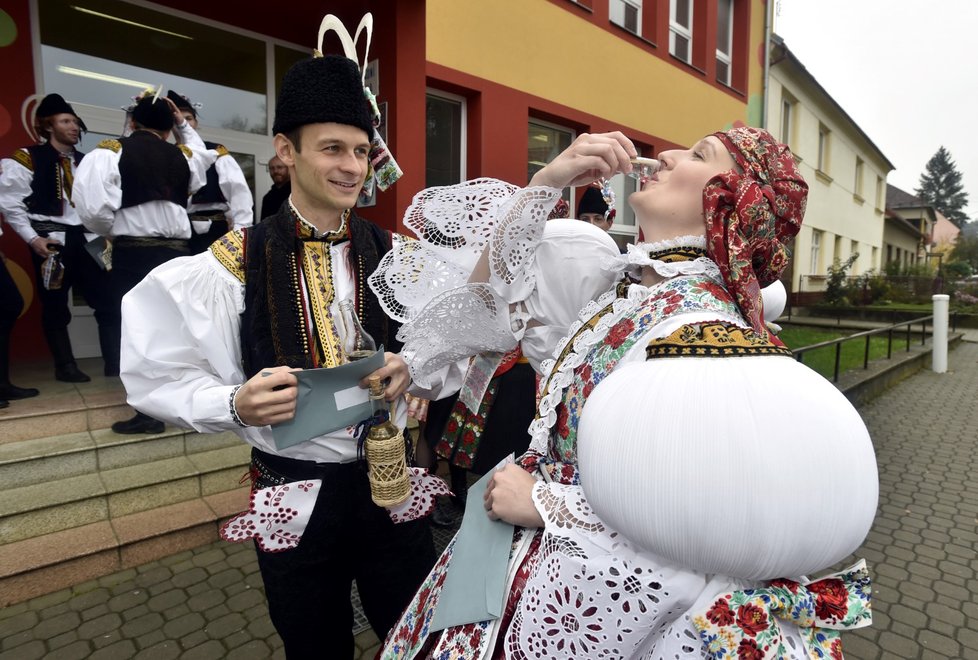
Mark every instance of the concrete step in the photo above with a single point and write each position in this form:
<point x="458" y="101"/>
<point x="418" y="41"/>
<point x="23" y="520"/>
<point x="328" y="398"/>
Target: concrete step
<point x="61" y="502"/>
<point x="42" y="564"/>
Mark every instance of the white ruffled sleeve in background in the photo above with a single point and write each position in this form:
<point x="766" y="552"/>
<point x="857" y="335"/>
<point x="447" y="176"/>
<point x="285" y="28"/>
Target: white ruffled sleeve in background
<point x="97" y="190"/>
<point x="181" y="343"/>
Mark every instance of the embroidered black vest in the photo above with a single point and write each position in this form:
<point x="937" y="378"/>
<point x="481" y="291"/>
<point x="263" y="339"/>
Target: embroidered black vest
<point x="47" y="196"/>
<point x="152" y="170"/>
<point x="272" y="240"/>
<point x="211" y="192"/>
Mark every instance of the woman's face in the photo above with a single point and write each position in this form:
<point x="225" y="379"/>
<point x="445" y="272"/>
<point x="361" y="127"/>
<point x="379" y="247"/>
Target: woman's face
<point x="670" y="204"/>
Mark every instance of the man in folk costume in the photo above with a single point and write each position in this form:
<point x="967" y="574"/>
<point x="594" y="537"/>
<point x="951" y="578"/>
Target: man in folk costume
<point x="36" y="188"/>
<point x="211" y="343"/>
<point x="226" y="201"/>
<point x="133" y="191"/>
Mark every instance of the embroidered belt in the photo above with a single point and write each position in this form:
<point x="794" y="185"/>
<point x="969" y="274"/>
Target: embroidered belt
<point x="50" y="225"/>
<point x="717" y="339"/>
<point x="177" y="244"/>
<point x="743" y="624"/>
<point x="211" y="215"/>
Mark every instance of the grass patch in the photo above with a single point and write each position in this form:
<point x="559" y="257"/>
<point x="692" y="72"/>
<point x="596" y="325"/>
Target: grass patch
<point x="822" y="360"/>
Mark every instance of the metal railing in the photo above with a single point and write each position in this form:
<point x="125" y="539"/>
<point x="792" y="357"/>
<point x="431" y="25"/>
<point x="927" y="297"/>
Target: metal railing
<point x="799" y="353"/>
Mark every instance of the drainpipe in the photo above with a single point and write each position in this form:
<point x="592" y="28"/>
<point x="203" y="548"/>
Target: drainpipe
<point x="768" y="9"/>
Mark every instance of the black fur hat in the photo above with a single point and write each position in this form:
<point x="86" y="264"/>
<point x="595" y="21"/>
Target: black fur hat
<point x="319" y="90"/>
<point x="153" y="115"/>
<point x="182" y="102"/>
<point x="54" y="104"/>
<point x="592" y="202"/>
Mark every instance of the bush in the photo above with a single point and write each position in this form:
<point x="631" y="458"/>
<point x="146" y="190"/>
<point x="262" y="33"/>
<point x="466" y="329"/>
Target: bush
<point x="837" y="292"/>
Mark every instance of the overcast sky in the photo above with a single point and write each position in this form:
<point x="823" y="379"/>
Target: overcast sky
<point x="904" y="70"/>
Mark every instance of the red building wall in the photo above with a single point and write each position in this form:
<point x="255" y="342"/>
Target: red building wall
<point x="18" y="84"/>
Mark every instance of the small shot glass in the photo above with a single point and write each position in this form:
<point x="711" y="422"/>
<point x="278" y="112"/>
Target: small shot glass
<point x="644" y="168"/>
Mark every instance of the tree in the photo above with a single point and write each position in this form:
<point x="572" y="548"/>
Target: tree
<point x="966" y="250"/>
<point x="940" y="186"/>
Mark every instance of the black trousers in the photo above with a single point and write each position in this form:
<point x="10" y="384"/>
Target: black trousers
<point x="130" y="264"/>
<point x="11" y="305"/>
<point x="11" y="302"/>
<point x="83" y="275"/>
<point x="348" y="538"/>
<point x="200" y="242"/>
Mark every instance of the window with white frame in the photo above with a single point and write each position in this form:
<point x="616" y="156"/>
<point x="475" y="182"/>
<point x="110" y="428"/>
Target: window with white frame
<point x="681" y="29"/>
<point x="815" y="262"/>
<point x="545" y="141"/>
<point x="823" y="149"/>
<point x="445" y="139"/>
<point x="787" y="118"/>
<point x="627" y="14"/>
<point x="857" y="184"/>
<point x="724" y="40"/>
<point x="854" y="250"/>
<point x="879" y="193"/>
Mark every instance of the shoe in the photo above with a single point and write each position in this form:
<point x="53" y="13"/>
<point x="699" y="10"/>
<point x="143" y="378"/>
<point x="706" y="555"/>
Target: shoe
<point x="140" y="423"/>
<point x="4" y="404"/>
<point x="445" y="514"/>
<point x="70" y="373"/>
<point x="10" y="392"/>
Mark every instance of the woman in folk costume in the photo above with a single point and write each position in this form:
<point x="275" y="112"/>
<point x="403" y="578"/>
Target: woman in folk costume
<point x="685" y="474"/>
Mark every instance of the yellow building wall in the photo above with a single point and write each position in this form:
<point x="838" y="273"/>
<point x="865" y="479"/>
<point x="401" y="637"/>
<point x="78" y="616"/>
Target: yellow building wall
<point x="540" y="48"/>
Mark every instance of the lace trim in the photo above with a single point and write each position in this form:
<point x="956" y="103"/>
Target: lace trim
<point x="457" y="324"/>
<point x="684" y="255"/>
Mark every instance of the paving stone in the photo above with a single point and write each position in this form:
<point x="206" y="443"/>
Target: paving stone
<point x="152" y="639"/>
<point x="17" y="623"/>
<point x="245" y="600"/>
<point x="207" y="651"/>
<point x="163" y="651"/>
<point x="57" y="625"/>
<point x="177" y="611"/>
<point x="123" y="649"/>
<point x="187" y="578"/>
<point x="205" y="600"/>
<point x="94" y="597"/>
<point x="256" y="649"/>
<point x="142" y="625"/>
<point x="226" y="625"/>
<point x="16" y="639"/>
<point x="64" y="639"/>
<point x="939" y="643"/>
<point x="78" y="650"/>
<point x="128" y="599"/>
<point x="29" y="651"/>
<point x="183" y="626"/>
<point x="167" y="599"/>
<point x="908" y="616"/>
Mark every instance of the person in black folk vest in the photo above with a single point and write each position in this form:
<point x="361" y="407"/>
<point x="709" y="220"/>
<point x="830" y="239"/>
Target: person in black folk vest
<point x="226" y="201"/>
<point x="280" y="190"/>
<point x="134" y="191"/>
<point x="36" y="186"/>
<point x="11" y="305"/>
<point x="210" y="342"/>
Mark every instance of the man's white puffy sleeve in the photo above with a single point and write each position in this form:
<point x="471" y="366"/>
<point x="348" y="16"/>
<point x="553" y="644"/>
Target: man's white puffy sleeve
<point x="181" y="354"/>
<point x="236" y="191"/>
<point x="97" y="191"/>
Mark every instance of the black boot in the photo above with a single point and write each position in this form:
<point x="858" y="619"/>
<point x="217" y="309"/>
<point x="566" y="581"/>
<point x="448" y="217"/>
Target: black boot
<point x="3" y="404"/>
<point x="139" y="423"/>
<point x="65" y="368"/>
<point x="8" y="391"/>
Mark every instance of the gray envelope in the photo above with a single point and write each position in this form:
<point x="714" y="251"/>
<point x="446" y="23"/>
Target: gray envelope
<point x="475" y="587"/>
<point x="329" y="399"/>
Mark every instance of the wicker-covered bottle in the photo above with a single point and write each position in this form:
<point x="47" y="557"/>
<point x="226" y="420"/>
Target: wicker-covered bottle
<point x="385" y="452"/>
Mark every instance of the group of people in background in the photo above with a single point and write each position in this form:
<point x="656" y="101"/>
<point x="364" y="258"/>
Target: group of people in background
<point x="97" y="223"/>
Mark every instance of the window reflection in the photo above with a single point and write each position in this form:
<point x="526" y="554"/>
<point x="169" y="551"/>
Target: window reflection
<point x="141" y="47"/>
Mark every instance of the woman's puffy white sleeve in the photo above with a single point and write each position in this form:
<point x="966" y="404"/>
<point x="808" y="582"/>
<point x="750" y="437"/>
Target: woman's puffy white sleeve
<point x="181" y="349"/>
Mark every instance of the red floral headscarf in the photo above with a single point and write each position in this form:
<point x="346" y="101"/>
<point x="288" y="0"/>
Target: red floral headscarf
<point x="751" y="214"/>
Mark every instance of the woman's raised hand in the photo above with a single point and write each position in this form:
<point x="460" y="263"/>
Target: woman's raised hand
<point x="590" y="157"/>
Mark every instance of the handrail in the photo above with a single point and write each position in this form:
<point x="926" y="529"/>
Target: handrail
<point x="799" y="353"/>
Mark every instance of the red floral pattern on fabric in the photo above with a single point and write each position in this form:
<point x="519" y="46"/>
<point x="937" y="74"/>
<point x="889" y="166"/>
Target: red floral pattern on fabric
<point x="744" y="624"/>
<point x="751" y="216"/>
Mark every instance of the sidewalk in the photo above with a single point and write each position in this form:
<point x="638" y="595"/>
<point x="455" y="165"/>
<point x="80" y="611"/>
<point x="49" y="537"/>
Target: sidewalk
<point x="207" y="603"/>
